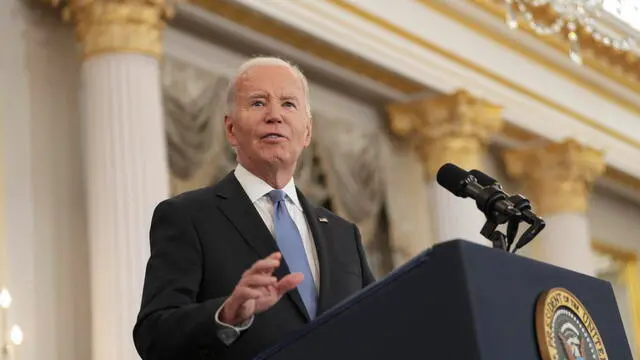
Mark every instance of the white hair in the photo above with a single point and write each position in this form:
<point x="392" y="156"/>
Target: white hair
<point x="265" y="61"/>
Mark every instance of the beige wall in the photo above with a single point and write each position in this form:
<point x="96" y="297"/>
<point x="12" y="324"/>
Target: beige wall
<point x="44" y="202"/>
<point x="615" y="220"/>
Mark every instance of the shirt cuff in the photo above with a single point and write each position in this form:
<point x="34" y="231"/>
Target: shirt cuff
<point x="229" y="333"/>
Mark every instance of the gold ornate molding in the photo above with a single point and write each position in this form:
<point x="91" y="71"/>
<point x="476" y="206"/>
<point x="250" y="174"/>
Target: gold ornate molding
<point x="559" y="176"/>
<point x="108" y="26"/>
<point x="451" y="128"/>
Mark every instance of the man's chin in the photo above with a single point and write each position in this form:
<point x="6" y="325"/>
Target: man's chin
<point x="279" y="160"/>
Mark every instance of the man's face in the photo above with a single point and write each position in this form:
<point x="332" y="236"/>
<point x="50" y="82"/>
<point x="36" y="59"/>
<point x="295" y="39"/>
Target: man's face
<point x="269" y="124"/>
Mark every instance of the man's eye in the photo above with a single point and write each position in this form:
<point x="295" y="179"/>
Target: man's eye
<point x="257" y="103"/>
<point x="289" y="104"/>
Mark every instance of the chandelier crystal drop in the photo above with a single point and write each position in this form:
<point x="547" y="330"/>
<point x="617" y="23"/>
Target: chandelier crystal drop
<point x="575" y="20"/>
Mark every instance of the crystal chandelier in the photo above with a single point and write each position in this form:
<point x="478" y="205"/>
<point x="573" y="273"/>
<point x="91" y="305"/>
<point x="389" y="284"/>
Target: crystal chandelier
<point x="9" y="343"/>
<point x="573" y="19"/>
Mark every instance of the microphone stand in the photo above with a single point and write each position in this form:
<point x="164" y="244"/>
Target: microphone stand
<point x="526" y="215"/>
<point x="498" y="239"/>
<point x="520" y="211"/>
<point x="495" y="217"/>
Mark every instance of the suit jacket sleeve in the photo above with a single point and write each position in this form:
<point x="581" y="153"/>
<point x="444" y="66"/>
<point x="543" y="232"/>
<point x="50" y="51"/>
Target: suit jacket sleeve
<point x="171" y="323"/>
<point x="367" y="275"/>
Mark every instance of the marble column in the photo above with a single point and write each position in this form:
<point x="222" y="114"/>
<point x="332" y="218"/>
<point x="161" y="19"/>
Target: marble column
<point x="125" y="156"/>
<point x="557" y="178"/>
<point x="454" y="129"/>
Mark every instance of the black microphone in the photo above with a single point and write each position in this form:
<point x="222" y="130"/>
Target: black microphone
<point x="512" y="227"/>
<point x="484" y="179"/>
<point x="519" y="201"/>
<point x="461" y="183"/>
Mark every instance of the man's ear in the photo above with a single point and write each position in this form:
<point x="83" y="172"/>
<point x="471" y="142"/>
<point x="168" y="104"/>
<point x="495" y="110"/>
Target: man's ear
<point x="307" y="140"/>
<point x="229" y="129"/>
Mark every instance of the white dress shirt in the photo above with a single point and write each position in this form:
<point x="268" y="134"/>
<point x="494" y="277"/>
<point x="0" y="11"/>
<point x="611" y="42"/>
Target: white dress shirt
<point x="257" y="190"/>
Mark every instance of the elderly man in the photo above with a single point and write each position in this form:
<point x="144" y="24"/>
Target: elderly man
<point x="236" y="266"/>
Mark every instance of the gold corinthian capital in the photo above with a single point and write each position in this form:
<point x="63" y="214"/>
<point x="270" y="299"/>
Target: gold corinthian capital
<point x="451" y="128"/>
<point x="559" y="176"/>
<point x="110" y="26"/>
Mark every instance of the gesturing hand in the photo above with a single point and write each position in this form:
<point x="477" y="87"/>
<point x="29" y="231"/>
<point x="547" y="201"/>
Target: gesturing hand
<point x="257" y="290"/>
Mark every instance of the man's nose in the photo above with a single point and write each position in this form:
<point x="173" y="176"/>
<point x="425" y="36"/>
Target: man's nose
<point x="274" y="114"/>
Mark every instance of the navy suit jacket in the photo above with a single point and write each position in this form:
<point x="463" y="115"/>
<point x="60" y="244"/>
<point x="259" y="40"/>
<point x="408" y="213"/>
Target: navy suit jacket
<point x="201" y="243"/>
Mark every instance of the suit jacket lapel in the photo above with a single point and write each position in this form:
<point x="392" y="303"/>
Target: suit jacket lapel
<point x="238" y="208"/>
<point x="321" y="247"/>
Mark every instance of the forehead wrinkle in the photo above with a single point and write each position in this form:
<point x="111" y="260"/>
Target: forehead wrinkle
<point x="289" y="97"/>
<point x="257" y="94"/>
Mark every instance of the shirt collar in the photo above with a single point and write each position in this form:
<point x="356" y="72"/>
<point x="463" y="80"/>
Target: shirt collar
<point x="256" y="188"/>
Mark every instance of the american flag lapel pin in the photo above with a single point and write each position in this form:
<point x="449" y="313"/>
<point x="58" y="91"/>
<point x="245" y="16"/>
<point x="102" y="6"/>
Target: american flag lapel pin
<point x="323" y="219"/>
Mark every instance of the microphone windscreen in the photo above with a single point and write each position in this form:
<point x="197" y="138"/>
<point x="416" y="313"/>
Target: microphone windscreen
<point x="483" y="179"/>
<point x="451" y="177"/>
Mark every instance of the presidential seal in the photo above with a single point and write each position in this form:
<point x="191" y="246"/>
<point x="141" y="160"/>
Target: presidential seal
<point x="565" y="330"/>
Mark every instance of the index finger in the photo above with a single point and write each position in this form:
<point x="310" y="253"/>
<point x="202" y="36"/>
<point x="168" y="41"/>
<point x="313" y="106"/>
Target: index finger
<point x="266" y="265"/>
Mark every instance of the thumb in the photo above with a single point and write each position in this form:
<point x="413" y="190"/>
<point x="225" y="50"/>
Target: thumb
<point x="289" y="283"/>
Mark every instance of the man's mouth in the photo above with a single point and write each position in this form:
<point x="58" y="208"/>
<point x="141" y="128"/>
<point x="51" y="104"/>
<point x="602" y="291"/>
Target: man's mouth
<point x="273" y="136"/>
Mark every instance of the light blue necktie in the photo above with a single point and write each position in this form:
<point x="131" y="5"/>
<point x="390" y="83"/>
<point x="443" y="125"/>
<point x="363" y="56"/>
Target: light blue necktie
<point x="290" y="244"/>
